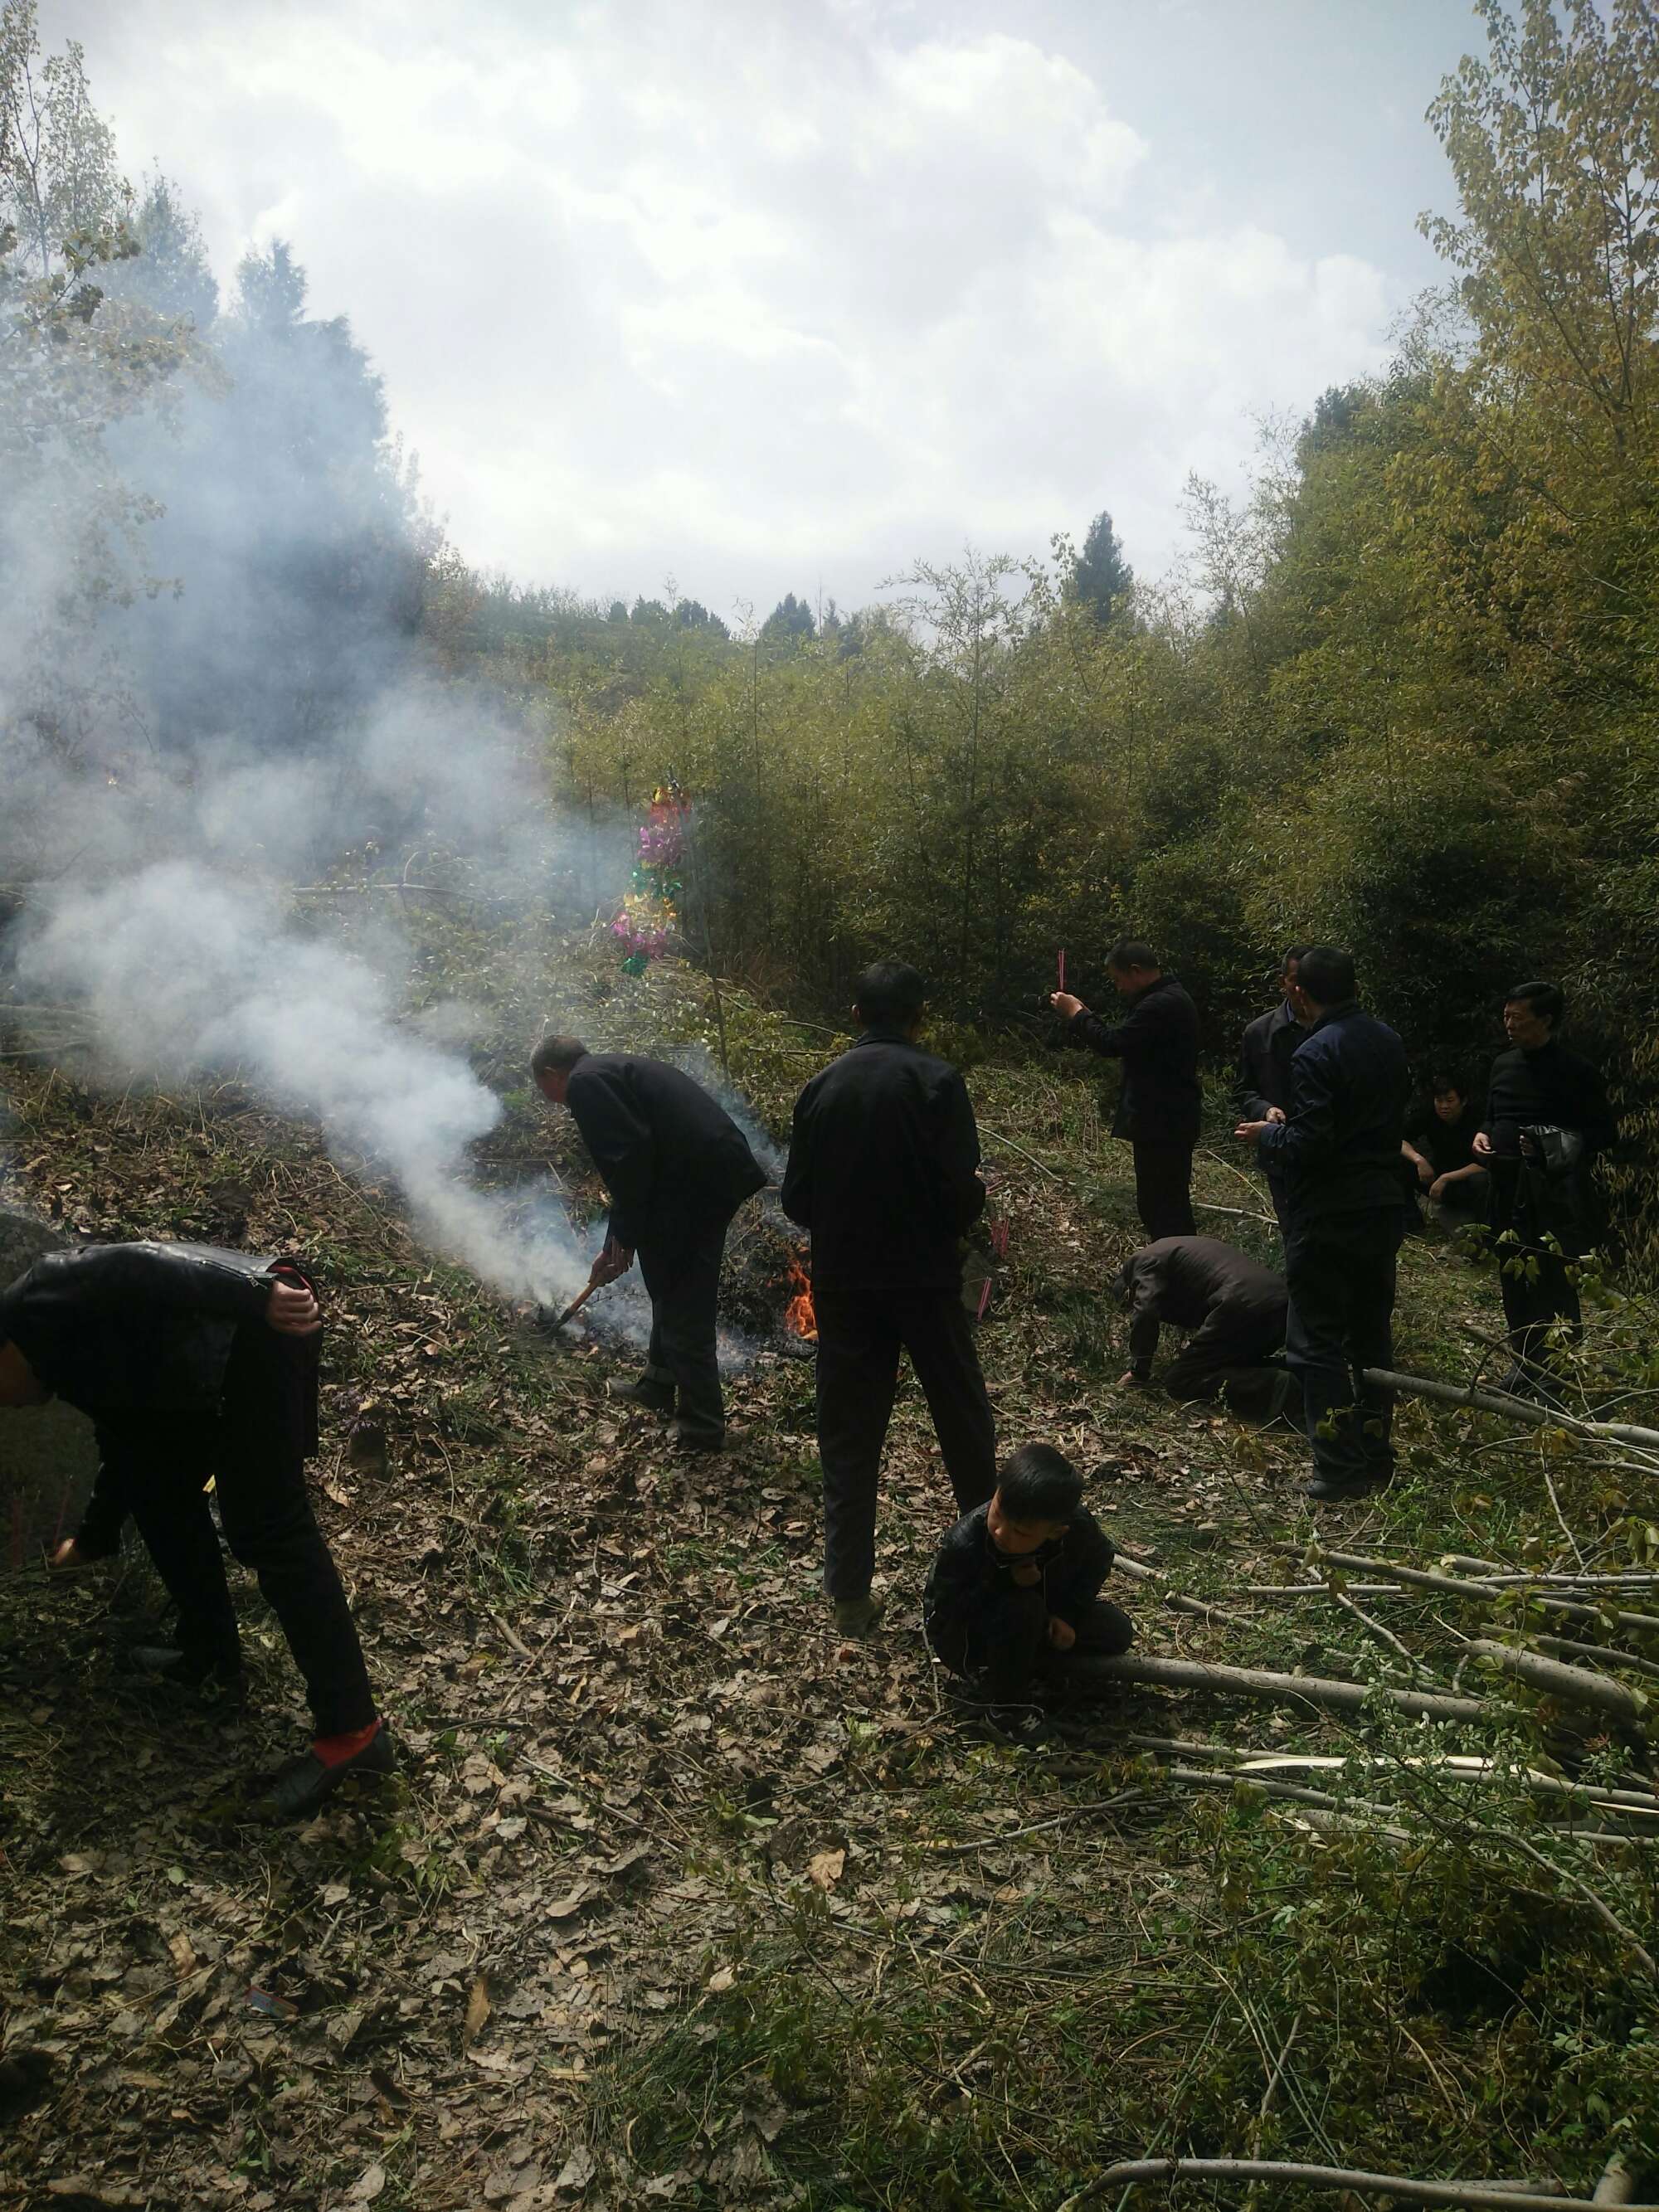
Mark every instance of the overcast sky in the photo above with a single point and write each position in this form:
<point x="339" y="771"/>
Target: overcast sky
<point x="774" y="294"/>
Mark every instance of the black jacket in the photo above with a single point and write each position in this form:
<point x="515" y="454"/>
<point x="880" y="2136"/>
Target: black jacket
<point x="1550" y="1085"/>
<point x="1183" y="1280"/>
<point x="1339" y="1150"/>
<point x="883" y="1168"/>
<point x="1158" y="1042"/>
<point x="1264" y="1063"/>
<point x="668" y="1154"/>
<point x="134" y="1327"/>
<point x="969" y="1571"/>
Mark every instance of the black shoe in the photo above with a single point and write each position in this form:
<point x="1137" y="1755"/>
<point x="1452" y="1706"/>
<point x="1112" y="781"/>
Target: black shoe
<point x="304" y="1786"/>
<point x="1329" y="1488"/>
<point x="698" y="1440"/>
<point x="656" y="1398"/>
<point x="164" y="1666"/>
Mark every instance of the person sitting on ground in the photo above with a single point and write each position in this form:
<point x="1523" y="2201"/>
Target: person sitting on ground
<point x="194" y="1363"/>
<point x="1547" y="1118"/>
<point x="677" y="1167"/>
<point x="1014" y="1590"/>
<point x="1235" y="1308"/>
<point x="1439" y="1148"/>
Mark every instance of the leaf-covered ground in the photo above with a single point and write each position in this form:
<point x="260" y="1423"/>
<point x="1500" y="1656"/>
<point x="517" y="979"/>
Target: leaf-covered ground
<point x="679" y="1899"/>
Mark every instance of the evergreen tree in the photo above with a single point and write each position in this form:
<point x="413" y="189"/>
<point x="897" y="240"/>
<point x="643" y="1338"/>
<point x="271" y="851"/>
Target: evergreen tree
<point x="1102" y="579"/>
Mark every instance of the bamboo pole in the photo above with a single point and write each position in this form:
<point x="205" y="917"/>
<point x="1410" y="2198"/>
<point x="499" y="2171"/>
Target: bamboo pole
<point x="1456" y="1586"/>
<point x="1643" y="1804"/>
<point x="1514" y="1409"/>
<point x="1285" y="1689"/>
<point x="1499" y="2194"/>
<point x="1577" y="1685"/>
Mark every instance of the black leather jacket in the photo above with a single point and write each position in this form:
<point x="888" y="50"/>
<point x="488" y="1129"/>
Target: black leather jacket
<point x="134" y="1327"/>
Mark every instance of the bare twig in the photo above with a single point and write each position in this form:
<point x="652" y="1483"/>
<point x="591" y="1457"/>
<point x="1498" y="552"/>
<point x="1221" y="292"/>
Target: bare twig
<point x="1514" y="1409"/>
<point x="1169" y="2170"/>
<point x="1284" y="1689"/>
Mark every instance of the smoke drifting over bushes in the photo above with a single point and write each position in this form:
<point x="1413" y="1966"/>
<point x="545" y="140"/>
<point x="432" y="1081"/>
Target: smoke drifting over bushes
<point x="211" y="688"/>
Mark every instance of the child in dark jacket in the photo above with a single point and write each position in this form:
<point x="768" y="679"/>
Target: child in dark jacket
<point x="1015" y="1588"/>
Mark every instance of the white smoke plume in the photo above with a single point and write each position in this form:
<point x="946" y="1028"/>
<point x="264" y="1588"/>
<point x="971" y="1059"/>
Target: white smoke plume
<point x="183" y="969"/>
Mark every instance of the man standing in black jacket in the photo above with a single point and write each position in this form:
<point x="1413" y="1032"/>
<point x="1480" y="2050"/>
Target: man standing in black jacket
<point x="676" y="1167"/>
<point x="884" y="1171"/>
<point x="194" y="1363"/>
<point x="1338" y="1150"/>
<point x="1539" y="1083"/>
<point x="1158" y="1106"/>
<point x="1262" y="1092"/>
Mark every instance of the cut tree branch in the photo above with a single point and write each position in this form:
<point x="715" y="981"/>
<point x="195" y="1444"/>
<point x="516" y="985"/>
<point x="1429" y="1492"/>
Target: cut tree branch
<point x="1498" y="2193"/>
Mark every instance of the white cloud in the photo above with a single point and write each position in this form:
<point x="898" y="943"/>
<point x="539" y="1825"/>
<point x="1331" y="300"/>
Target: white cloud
<point x="760" y="295"/>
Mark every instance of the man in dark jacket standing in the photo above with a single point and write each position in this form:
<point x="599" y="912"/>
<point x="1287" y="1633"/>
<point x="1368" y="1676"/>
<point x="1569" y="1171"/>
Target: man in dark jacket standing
<point x="677" y="1168"/>
<point x="194" y="1363"/>
<point x="1338" y="1150"/>
<point x="1158" y="1106"/>
<point x="1541" y="1189"/>
<point x="884" y="1171"/>
<point x="1262" y="1092"/>
<point x="1235" y="1308"/>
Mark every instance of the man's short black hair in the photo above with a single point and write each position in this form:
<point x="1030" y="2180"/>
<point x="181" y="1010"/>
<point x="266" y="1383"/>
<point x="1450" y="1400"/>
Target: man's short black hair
<point x="1326" y="972"/>
<point x="1297" y="952"/>
<point x="891" y="994"/>
<point x="556" y="1055"/>
<point x="1546" y="999"/>
<point x="1038" y="1483"/>
<point x="1448" y="1078"/>
<point x="1132" y="952"/>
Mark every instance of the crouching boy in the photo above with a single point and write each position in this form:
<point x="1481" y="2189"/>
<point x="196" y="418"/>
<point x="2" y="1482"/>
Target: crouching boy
<point x="1015" y="1588"/>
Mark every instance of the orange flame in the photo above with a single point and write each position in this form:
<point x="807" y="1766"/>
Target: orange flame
<point x="800" y="1317"/>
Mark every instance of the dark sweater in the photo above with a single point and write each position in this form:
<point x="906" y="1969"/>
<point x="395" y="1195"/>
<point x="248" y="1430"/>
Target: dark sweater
<point x="1183" y="1280"/>
<point x="883" y="1162"/>
<point x="115" y="1328"/>
<point x="1446" y="1145"/>
<point x="969" y="1571"/>
<point x="1264" y="1063"/>
<point x="1339" y="1150"/>
<point x="1162" y="1098"/>
<point x="1548" y="1084"/>
<point x="668" y="1155"/>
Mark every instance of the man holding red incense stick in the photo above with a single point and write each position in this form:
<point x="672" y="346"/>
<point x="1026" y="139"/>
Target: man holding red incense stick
<point x="1158" y="1106"/>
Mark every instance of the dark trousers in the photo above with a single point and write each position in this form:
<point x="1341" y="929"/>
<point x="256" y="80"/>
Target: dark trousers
<point x="1164" y="1189"/>
<point x="255" y="1447"/>
<point x="862" y="1334"/>
<point x="682" y="1270"/>
<point x="1226" y="1356"/>
<point x="1340" y="1273"/>
<point x="1006" y="1645"/>
<point x="1537" y="1290"/>
<point x="1278" y="1190"/>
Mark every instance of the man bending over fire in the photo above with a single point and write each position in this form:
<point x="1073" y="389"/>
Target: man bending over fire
<point x="194" y="1363"/>
<point x="677" y="1167"/>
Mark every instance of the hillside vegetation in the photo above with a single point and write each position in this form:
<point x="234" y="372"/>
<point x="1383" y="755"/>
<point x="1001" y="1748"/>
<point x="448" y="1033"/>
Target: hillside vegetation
<point x="679" y="1901"/>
